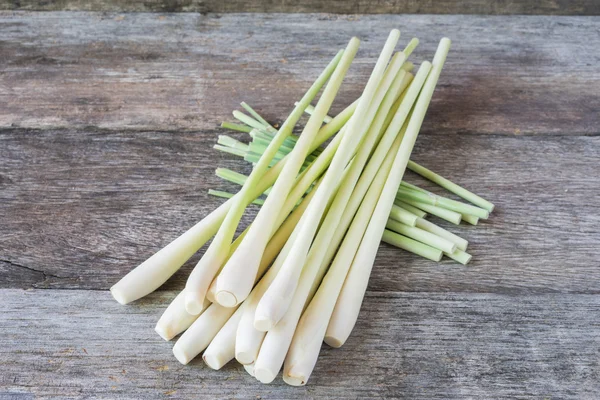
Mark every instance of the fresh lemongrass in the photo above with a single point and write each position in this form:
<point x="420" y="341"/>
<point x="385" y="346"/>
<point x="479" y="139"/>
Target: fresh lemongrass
<point x="240" y="116"/>
<point x="281" y="321"/>
<point x="430" y="198"/>
<point x="451" y="186"/>
<point x="249" y="369"/>
<point x="307" y="339"/>
<point x="231" y="142"/>
<point x="221" y="349"/>
<point x="227" y="195"/>
<point x="155" y="271"/>
<point x="401" y="215"/>
<point x="411" y="245"/>
<point x="419" y="213"/>
<point x="233" y="177"/>
<point x="278" y="297"/>
<point x="217" y="253"/>
<point x="350" y="298"/>
<point x="236" y="127"/>
<point x="440" y="212"/>
<point x="460" y="256"/>
<point x="175" y="319"/>
<point x="471" y="219"/>
<point x="276" y="242"/>
<point x="257" y="117"/>
<point x="199" y="335"/>
<point x="249" y="339"/>
<point x="421" y="236"/>
<point x="231" y="150"/>
<point x="235" y="280"/>
<point x="428" y="226"/>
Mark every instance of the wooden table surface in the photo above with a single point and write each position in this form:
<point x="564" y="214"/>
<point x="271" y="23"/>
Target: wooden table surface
<point x="106" y="126"/>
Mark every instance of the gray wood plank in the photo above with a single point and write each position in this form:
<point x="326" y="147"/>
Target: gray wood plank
<point x="505" y="75"/>
<point x="82" y="207"/>
<point x="551" y="7"/>
<point x="82" y="344"/>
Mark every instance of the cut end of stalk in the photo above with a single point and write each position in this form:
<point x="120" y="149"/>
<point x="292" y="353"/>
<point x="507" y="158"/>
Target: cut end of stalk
<point x="244" y="357"/>
<point x="193" y="304"/>
<point x="264" y="375"/>
<point x="263" y="323"/>
<point x="294" y="381"/>
<point x="333" y="341"/>
<point x="164" y="332"/>
<point x="226" y="299"/>
<point x="214" y="361"/>
<point x="180" y="355"/>
<point x="119" y="295"/>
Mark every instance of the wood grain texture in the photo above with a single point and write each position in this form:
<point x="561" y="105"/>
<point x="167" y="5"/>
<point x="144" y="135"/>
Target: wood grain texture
<point x="543" y="7"/>
<point x="504" y="75"/>
<point x="82" y="344"/>
<point x="84" y="207"/>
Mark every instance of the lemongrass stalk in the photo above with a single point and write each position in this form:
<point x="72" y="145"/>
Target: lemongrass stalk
<point x="428" y="226"/>
<point x="157" y="269"/>
<point x="234" y="177"/>
<point x="257" y="117"/>
<point x="231" y="142"/>
<point x="236" y="127"/>
<point x="235" y="280"/>
<point x="401" y="215"/>
<point x="199" y="335"/>
<point x="430" y="198"/>
<point x="471" y="219"/>
<point x="350" y="298"/>
<point x="460" y="256"/>
<point x="278" y="297"/>
<point x="227" y="195"/>
<point x="422" y="236"/>
<point x="276" y="242"/>
<point x="451" y="186"/>
<point x="230" y="150"/>
<point x="408" y="66"/>
<point x="411" y="245"/>
<point x="175" y="319"/>
<point x="217" y="253"/>
<point x="249" y="339"/>
<point x="221" y="349"/>
<point x="419" y="213"/>
<point x="283" y="320"/>
<point x="440" y="212"/>
<point x="240" y="116"/>
<point x="307" y="339"/>
<point x="249" y="369"/>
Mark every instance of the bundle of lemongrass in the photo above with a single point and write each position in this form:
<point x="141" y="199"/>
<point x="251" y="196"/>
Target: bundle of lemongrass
<point x="297" y="275"/>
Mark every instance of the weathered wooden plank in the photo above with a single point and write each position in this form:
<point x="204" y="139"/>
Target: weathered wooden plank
<point x="82" y="344"/>
<point x="552" y="7"/>
<point x="81" y="208"/>
<point x="505" y="75"/>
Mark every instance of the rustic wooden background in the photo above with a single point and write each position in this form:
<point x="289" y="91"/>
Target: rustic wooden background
<point x="107" y="120"/>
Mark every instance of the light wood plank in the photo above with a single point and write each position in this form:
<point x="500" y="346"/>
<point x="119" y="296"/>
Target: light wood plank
<point x="82" y="344"/>
<point x="505" y="75"/>
<point x="552" y="7"/>
<point x="84" y="207"/>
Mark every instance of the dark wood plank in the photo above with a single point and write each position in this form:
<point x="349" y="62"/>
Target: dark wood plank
<point x="505" y="75"/>
<point x="81" y="208"/>
<point x="545" y="7"/>
<point x="82" y="344"/>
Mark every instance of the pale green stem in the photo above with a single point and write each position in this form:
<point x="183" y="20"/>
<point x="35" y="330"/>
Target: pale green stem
<point x="418" y="212"/>
<point x="240" y="116"/>
<point x="439" y="231"/>
<point x="421" y="236"/>
<point x="460" y="256"/>
<point x="443" y="213"/>
<point x="227" y="195"/>
<point x="236" y="127"/>
<point x="401" y="215"/>
<point x="257" y="116"/>
<point x="411" y="245"/>
<point x="435" y="200"/>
